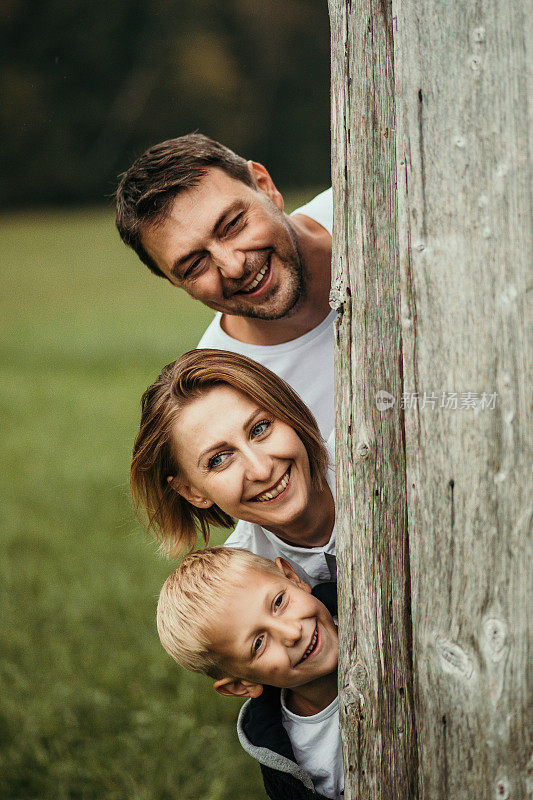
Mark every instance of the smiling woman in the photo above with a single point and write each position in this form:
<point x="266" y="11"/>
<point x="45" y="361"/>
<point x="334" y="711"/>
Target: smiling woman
<point x="223" y="438"/>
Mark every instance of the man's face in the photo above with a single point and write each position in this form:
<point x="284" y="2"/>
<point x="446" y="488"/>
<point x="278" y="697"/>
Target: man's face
<point x="275" y="632"/>
<point x="230" y="246"/>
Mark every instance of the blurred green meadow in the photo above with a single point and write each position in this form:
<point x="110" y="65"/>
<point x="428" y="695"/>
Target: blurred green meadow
<point x="90" y="704"/>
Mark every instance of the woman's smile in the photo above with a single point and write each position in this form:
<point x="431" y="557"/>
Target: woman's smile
<point x="276" y="492"/>
<point x="233" y="454"/>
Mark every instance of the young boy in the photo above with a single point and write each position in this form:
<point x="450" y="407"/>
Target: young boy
<point x="259" y="631"/>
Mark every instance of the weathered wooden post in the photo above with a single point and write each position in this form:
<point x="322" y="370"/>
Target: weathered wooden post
<point x="376" y="696"/>
<point x="438" y="92"/>
<point x="465" y="248"/>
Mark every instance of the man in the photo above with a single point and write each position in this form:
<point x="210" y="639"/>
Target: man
<point x="213" y="224"/>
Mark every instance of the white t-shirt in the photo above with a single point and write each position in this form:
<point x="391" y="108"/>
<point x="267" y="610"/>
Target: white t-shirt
<point x="306" y="363"/>
<point x="313" y="564"/>
<point x="316" y="742"/>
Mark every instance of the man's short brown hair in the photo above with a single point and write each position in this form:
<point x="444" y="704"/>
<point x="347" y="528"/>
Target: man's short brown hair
<point x="148" y="188"/>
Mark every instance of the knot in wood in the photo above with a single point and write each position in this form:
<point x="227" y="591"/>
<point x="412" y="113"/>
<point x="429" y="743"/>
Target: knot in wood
<point x="494" y="635"/>
<point x="362" y="450"/>
<point x="453" y="659"/>
<point x="355" y="688"/>
<point x="337" y="300"/>
<point x="502" y="789"/>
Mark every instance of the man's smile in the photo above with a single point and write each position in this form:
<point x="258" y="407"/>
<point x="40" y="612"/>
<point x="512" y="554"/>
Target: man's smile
<point x="258" y="282"/>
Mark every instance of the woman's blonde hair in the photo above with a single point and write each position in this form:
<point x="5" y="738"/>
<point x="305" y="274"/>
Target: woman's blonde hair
<point x="173" y="520"/>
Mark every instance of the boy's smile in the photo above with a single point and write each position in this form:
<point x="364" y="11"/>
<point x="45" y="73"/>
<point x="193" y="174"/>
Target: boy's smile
<point x="273" y="631"/>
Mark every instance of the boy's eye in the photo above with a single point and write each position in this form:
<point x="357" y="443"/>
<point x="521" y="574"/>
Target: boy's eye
<point x="257" y="645"/>
<point x="260" y="427"/>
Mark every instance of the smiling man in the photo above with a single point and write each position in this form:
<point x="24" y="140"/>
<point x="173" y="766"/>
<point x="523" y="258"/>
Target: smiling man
<point x="213" y="224"/>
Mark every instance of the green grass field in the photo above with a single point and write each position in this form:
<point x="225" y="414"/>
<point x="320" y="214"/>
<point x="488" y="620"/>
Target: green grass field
<point x="90" y="705"/>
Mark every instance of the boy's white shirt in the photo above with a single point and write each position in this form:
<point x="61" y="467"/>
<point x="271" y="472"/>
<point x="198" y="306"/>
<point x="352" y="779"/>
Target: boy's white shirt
<point x="316" y="742"/>
<point x="311" y="563"/>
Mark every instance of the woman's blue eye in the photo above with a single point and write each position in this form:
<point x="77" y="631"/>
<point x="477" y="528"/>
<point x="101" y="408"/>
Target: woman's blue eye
<point x="260" y="428"/>
<point x="215" y="461"/>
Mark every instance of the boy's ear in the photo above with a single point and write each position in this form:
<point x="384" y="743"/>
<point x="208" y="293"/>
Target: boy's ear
<point x="286" y="569"/>
<point x="189" y="493"/>
<point x="235" y="687"/>
<point x="263" y="180"/>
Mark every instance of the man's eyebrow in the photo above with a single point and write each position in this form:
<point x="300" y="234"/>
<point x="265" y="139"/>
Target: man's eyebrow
<point x="220" y="445"/>
<point x="175" y="270"/>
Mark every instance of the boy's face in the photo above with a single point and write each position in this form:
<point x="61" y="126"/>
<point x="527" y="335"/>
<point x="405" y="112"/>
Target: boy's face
<point x="273" y="631"/>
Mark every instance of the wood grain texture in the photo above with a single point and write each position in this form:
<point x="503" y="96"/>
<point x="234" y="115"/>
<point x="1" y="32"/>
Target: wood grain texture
<point x="376" y="695"/>
<point x="465" y="249"/>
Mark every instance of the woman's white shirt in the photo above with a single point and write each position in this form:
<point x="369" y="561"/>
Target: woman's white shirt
<point x="313" y="564"/>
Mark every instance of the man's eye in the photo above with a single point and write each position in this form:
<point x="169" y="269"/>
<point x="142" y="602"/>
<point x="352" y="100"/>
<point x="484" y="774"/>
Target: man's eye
<point x="233" y="223"/>
<point x="194" y="268"/>
<point x="260" y="427"/>
<point x="257" y="645"/>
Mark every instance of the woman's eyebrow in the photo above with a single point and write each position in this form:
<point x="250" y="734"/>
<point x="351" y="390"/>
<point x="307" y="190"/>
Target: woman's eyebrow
<point x="218" y="446"/>
<point x="246" y="424"/>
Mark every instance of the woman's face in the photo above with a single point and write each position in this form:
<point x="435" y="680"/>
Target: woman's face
<point x="234" y="454"/>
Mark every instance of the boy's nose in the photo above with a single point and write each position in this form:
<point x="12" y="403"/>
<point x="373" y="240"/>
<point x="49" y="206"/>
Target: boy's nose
<point x="290" y="632"/>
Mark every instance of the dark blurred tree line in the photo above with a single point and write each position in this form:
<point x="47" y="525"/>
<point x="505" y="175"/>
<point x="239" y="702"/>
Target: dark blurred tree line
<point x="86" y="85"/>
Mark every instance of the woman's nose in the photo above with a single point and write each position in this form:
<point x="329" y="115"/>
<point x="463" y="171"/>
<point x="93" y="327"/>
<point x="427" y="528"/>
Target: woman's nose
<point x="258" y="466"/>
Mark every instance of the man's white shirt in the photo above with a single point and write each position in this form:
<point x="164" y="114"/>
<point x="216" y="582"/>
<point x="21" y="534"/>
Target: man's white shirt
<point x="305" y="363"/>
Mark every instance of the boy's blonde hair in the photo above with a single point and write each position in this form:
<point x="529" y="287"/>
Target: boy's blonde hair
<point x="191" y="603"/>
<point x="171" y="517"/>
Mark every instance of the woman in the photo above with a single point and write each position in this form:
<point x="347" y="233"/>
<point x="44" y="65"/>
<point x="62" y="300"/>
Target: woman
<point x="222" y="437"/>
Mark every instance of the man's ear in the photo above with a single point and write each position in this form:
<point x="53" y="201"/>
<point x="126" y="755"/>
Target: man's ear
<point x="235" y="687"/>
<point x="189" y="493"/>
<point x="286" y="569"/>
<point x="263" y="180"/>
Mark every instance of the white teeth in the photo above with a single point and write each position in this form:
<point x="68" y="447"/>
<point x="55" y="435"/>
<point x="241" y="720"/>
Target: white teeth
<point x="257" y="280"/>
<point x="310" y="648"/>
<point x="272" y="493"/>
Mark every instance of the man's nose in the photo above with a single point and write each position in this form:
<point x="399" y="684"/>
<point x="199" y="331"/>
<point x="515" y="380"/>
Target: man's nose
<point x="230" y="262"/>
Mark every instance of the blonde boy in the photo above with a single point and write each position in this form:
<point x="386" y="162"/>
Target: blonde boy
<point x="259" y="631"/>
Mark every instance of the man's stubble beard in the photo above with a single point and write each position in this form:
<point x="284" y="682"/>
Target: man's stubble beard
<point x="295" y="281"/>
